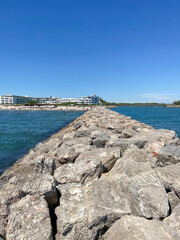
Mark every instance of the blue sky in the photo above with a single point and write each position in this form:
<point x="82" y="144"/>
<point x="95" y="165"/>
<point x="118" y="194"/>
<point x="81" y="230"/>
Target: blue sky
<point x="121" y="50"/>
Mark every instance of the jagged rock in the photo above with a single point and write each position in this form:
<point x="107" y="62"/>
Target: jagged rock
<point x="29" y="219"/>
<point x="173" y="200"/>
<point x="174" y="219"/>
<point x="107" y="156"/>
<point x="128" y="133"/>
<point x="147" y="195"/>
<point x="79" y="172"/>
<point x="85" y="211"/>
<point x="126" y="143"/>
<point x="133" y="162"/>
<point x="78" y="124"/>
<point x="133" y="228"/>
<point x="82" y="140"/>
<point x="170" y="177"/>
<point x="45" y="165"/>
<point x="9" y="194"/>
<point x="101" y="140"/>
<point x="169" y="154"/>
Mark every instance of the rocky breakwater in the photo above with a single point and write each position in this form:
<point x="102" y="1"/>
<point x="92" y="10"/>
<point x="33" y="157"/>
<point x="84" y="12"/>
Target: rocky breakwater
<point x="104" y="176"/>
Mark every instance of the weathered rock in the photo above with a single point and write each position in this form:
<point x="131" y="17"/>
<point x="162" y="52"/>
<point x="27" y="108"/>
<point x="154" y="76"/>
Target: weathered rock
<point x="101" y="140"/>
<point x="133" y="162"/>
<point x="174" y="219"/>
<point x="173" y="200"/>
<point x="107" y="156"/>
<point x="79" y="172"/>
<point x="170" y="177"/>
<point x="29" y="219"/>
<point x="9" y="194"/>
<point x="133" y="228"/>
<point x="124" y="144"/>
<point x="169" y="154"/>
<point x="146" y="194"/>
<point x="85" y="211"/>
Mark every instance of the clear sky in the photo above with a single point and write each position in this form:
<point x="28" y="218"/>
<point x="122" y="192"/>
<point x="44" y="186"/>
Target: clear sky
<point x="121" y="50"/>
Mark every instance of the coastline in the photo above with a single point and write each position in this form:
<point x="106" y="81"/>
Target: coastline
<point x="45" y="108"/>
<point x="85" y="177"/>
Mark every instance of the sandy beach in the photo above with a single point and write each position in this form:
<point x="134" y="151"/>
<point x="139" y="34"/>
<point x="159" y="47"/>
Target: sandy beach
<point x="43" y="108"/>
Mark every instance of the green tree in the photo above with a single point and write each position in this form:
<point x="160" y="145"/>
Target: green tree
<point x="176" y="102"/>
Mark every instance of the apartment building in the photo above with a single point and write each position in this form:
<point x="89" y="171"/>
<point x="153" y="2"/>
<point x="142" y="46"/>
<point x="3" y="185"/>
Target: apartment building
<point x="13" y="99"/>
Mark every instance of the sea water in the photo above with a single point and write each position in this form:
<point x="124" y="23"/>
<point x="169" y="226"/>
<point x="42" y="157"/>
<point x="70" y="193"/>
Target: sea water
<point x="157" y="117"/>
<point x="21" y="132"/>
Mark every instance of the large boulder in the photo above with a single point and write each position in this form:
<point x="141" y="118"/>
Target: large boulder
<point x="29" y="219"/>
<point x="169" y="154"/>
<point x="86" y="211"/>
<point x="174" y="219"/>
<point x="170" y="177"/>
<point x="107" y="156"/>
<point x="124" y="144"/>
<point x="133" y="228"/>
<point x="79" y="172"/>
<point x="101" y="140"/>
<point x="147" y="195"/>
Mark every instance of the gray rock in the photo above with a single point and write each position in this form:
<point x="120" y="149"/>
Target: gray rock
<point x="29" y="219"/>
<point x="169" y="154"/>
<point x="79" y="172"/>
<point x="147" y="195"/>
<point x="66" y="154"/>
<point x="85" y="211"/>
<point x="170" y="177"/>
<point x="173" y="200"/>
<point x="133" y="162"/>
<point x="124" y="144"/>
<point x="107" y="156"/>
<point x="174" y="219"/>
<point x="133" y="228"/>
<point x="101" y="140"/>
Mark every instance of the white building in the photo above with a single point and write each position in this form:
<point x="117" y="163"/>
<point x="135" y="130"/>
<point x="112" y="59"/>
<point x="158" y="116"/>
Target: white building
<point x="13" y="99"/>
<point x="81" y="100"/>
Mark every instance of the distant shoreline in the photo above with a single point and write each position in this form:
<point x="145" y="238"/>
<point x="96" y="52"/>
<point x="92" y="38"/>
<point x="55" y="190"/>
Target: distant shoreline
<point x="44" y="108"/>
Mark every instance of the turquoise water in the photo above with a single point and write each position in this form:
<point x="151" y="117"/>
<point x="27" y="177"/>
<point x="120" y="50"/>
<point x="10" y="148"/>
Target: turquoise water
<point x="21" y="132"/>
<point x="158" y="117"/>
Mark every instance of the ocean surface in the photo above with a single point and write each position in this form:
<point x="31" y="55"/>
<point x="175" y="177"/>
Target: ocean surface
<point x="21" y="132"/>
<point x="157" y="117"/>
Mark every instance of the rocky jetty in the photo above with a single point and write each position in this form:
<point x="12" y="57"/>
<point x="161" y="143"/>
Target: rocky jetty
<point x="104" y="176"/>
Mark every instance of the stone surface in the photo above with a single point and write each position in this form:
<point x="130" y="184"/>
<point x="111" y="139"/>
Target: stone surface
<point x="79" y="172"/>
<point x="170" y="154"/>
<point x="101" y="140"/>
<point x="107" y="156"/>
<point x="173" y="200"/>
<point x="170" y="177"/>
<point x="174" y="219"/>
<point x="85" y="211"/>
<point x="29" y="219"/>
<point x="133" y="228"/>
<point x="147" y="195"/>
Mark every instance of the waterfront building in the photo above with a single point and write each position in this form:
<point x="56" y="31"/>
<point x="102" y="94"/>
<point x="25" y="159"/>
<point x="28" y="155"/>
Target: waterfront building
<point x="14" y="99"/>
